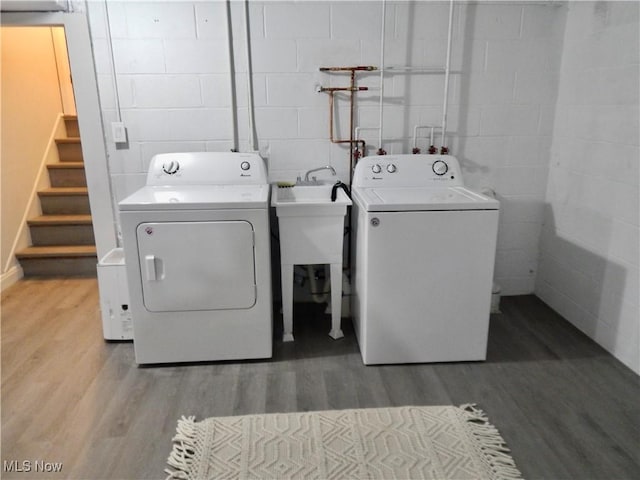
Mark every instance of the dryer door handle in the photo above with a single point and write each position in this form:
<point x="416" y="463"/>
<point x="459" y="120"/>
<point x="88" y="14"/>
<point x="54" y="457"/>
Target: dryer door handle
<point x="150" y="267"/>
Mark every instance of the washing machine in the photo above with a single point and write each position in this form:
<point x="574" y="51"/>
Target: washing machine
<point x="424" y="251"/>
<point x="197" y="253"/>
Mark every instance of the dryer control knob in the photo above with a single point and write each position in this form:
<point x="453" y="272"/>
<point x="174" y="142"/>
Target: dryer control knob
<point x="245" y="165"/>
<point x="376" y="168"/>
<point x="439" y="167"/>
<point x="171" y="167"/>
<point x="391" y="168"/>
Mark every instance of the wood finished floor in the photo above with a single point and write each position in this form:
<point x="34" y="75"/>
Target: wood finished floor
<point x="567" y="409"/>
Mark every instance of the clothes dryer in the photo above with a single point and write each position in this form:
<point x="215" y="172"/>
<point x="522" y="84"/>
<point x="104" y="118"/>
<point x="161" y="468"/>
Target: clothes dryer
<point x="424" y="249"/>
<point x="196" y="243"/>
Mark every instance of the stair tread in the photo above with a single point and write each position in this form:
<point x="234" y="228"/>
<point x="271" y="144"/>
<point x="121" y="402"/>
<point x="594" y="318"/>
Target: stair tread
<point x="54" y="191"/>
<point x="70" y="219"/>
<point x="68" y="140"/>
<point x="70" y="117"/>
<point x="66" y="165"/>
<point x="58" y="251"/>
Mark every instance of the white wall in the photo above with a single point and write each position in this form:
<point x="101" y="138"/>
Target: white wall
<point x="172" y="79"/>
<point x="590" y="241"/>
<point x="30" y="107"/>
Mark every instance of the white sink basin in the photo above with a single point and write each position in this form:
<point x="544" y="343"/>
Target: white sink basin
<point x="311" y="225"/>
<point x="311" y="230"/>
<point x="308" y="201"/>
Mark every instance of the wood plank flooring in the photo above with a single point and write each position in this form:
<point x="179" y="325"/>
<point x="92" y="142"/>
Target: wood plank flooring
<point x="567" y="409"/>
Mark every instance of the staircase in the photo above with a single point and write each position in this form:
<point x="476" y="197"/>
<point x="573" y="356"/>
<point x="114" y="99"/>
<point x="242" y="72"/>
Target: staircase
<point x="62" y="237"/>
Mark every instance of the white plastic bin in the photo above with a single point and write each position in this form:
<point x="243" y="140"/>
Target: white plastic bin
<point x="117" y="323"/>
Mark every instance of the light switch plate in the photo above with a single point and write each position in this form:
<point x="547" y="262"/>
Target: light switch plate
<point x="118" y="132"/>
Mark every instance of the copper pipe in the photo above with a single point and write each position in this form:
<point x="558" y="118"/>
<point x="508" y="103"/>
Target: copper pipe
<point x="354" y="153"/>
<point x="351" y="102"/>
<point x="331" y="116"/>
<point x="343" y="89"/>
<point x="350" y="141"/>
<point x="366" y="68"/>
<point x="352" y="88"/>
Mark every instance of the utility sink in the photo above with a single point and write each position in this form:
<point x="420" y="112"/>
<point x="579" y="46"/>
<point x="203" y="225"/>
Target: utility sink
<point x="308" y="200"/>
<point x="311" y="230"/>
<point x="311" y="225"/>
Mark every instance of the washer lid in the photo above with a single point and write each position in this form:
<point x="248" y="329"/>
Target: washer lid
<point x="197" y="197"/>
<point x="399" y="199"/>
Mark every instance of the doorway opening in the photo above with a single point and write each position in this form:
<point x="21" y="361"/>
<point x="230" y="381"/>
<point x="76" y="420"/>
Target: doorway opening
<point x="83" y="90"/>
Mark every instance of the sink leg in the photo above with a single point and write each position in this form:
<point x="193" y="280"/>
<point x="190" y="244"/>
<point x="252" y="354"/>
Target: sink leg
<point x="287" y="301"/>
<point x="336" y="301"/>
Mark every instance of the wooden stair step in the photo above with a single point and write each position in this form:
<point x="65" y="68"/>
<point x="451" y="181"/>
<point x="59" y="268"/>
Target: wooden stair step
<point x="67" y="174"/>
<point x="59" y="260"/>
<point x="58" y="251"/>
<point x="61" y="220"/>
<point x="66" y="165"/>
<point x="64" y="201"/>
<point x="69" y="149"/>
<point x="61" y="230"/>
<point x="63" y="191"/>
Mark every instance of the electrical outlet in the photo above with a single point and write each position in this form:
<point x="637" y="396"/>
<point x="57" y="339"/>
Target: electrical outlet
<point x="118" y="132"/>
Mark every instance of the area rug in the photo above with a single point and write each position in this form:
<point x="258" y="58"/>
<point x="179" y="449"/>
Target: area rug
<point x="443" y="442"/>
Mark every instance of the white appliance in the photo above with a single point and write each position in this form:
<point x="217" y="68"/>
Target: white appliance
<point x="196" y="242"/>
<point x="117" y="323"/>
<point x="424" y="256"/>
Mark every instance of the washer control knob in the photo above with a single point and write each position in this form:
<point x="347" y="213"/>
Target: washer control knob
<point x="376" y="168"/>
<point x="391" y="168"/>
<point x="439" y="167"/>
<point x="245" y="165"/>
<point x="171" y="168"/>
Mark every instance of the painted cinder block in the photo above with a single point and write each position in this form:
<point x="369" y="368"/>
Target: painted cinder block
<point x="138" y="56"/>
<point x="313" y="122"/>
<point x="540" y="21"/>
<point x="101" y="56"/>
<point x="297" y="20"/>
<point x="315" y="53"/>
<point x="160" y="20"/>
<point x="299" y="155"/>
<point x="274" y="56"/>
<point x="277" y="123"/>
<point x="493" y="21"/>
<point x="294" y="90"/>
<point x="509" y="120"/>
<point x="153" y="91"/>
<point x="196" y="56"/>
<point x="358" y="20"/>
<point x="486" y="88"/>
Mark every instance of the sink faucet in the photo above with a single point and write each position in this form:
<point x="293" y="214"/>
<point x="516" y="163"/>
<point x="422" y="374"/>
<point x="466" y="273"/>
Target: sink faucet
<point x="312" y="180"/>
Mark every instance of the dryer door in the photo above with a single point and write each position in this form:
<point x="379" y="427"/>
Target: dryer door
<point x="186" y="266"/>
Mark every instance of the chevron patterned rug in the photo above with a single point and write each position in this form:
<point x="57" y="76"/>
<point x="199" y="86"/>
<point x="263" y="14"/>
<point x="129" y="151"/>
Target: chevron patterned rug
<point x="440" y="443"/>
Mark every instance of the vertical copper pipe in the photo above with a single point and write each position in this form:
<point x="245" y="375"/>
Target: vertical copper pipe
<point x="331" y="116"/>
<point x="351" y="102"/>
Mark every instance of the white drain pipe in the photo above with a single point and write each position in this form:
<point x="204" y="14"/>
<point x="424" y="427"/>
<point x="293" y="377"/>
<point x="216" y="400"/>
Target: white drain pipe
<point x="232" y="80"/>
<point x="253" y="135"/>
<point x="382" y="43"/>
<point x="432" y="129"/>
<point x="447" y="70"/>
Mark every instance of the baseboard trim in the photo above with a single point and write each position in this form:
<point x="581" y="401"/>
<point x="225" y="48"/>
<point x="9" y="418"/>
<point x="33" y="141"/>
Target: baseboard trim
<point x="10" y="277"/>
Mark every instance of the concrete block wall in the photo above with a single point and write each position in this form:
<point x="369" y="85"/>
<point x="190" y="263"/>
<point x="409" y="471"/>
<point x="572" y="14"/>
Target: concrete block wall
<point x="590" y="240"/>
<point x="171" y="66"/>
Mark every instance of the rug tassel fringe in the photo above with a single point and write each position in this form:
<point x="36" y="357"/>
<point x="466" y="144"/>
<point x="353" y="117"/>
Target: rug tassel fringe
<point x="496" y="453"/>
<point x="183" y="452"/>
